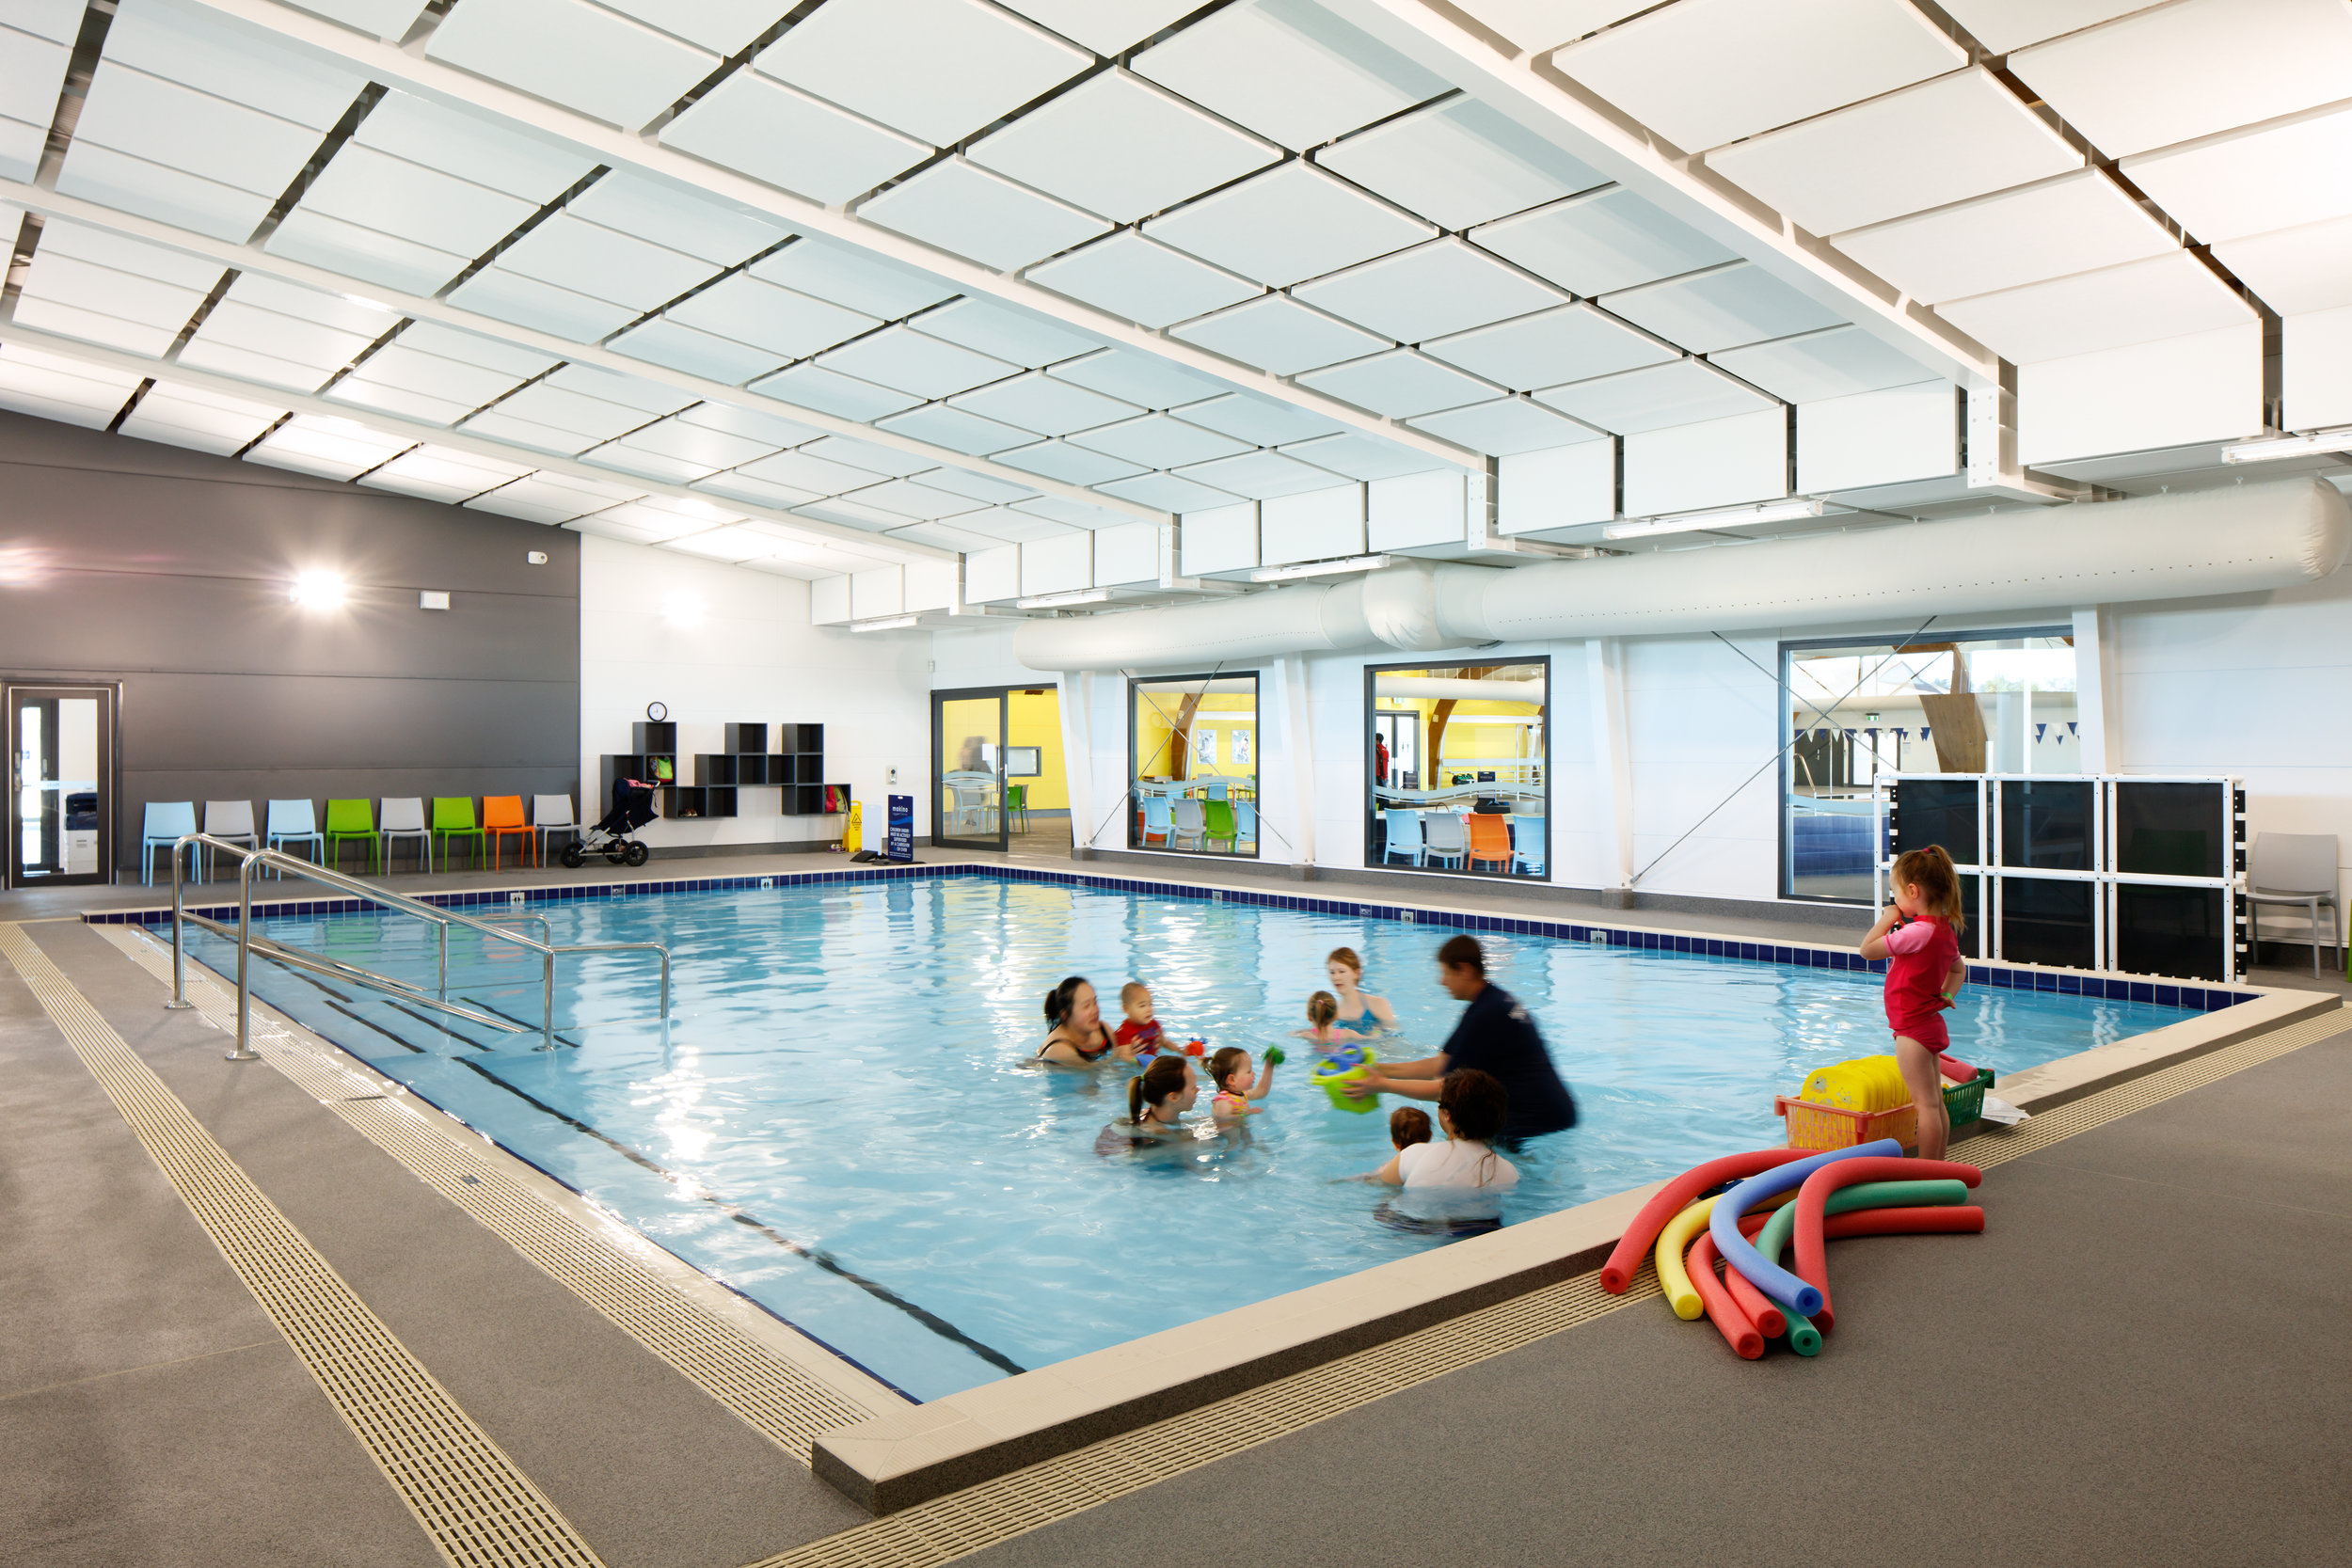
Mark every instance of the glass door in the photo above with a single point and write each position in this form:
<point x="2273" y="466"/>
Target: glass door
<point x="968" y="769"/>
<point x="61" y="785"/>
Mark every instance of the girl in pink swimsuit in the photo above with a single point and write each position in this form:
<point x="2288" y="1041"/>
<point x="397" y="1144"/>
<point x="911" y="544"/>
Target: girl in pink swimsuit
<point x="1919" y="937"/>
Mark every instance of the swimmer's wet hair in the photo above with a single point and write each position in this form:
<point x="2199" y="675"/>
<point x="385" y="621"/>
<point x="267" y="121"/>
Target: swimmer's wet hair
<point x="1132" y="990"/>
<point x="1164" y="1077"/>
<point x="1930" y="871"/>
<point x="1322" y="1007"/>
<point x="1228" y="1060"/>
<point x="1408" y="1125"/>
<point x="1476" y="1103"/>
<point x="1346" y="955"/>
<point x="1463" y="953"/>
<point x="1061" y="999"/>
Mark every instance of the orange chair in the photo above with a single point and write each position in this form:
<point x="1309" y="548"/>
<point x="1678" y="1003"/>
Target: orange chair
<point x="1489" y="840"/>
<point x="503" y="819"/>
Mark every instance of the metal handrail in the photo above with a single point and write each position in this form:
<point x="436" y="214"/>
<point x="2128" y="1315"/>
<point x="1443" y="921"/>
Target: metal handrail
<point x="248" y="856"/>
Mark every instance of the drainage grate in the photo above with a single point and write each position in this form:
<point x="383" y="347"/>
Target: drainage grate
<point x="609" y="1267"/>
<point x="475" y="1504"/>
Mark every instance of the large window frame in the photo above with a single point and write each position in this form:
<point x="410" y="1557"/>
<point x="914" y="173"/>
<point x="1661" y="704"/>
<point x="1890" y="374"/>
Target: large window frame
<point x="1376" y="856"/>
<point x="1139" y="788"/>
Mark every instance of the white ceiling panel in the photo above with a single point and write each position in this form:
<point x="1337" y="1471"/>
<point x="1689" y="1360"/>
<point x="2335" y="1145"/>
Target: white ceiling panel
<point x="21" y="147"/>
<point x="166" y="123"/>
<point x="1259" y="420"/>
<point x="645" y="465"/>
<point x="91" y="327"/>
<point x="2294" y="271"/>
<point x="871" y="455"/>
<point x="54" y="388"/>
<point x="1571" y="342"/>
<point x="1169" y="492"/>
<point x="170" y="195"/>
<point x="981" y="488"/>
<point x="694" y="443"/>
<point x="1360" y="456"/>
<point x="653" y="519"/>
<point x="165" y="40"/>
<point x="1288" y="69"/>
<point x="443" y="474"/>
<point x="560" y="409"/>
<point x="402" y="365"/>
<point x="760" y="491"/>
<point x="1121" y="146"/>
<point x="829" y="392"/>
<point x="295" y="322"/>
<point x="2072" y="224"/>
<point x="1263" y="476"/>
<point x="513" y="428"/>
<point x="367" y="254"/>
<point x="2002" y="26"/>
<point x="1069" y="464"/>
<point x="2167" y="296"/>
<point x="1143" y="379"/>
<point x="1157" y="441"/>
<point x="769" y="317"/>
<point x="327" y="447"/>
<point x="1276" y="333"/>
<point x="850" y="513"/>
<point x="1943" y="141"/>
<point x="679" y="220"/>
<point x="850" y="278"/>
<point x="392" y="195"/>
<point x="663" y="342"/>
<point x="956" y="430"/>
<point x="618" y="388"/>
<point x="59" y="20"/>
<point x="1009" y="333"/>
<point x="1144" y="281"/>
<point x="1004" y="526"/>
<point x="723" y="26"/>
<point x="2279" y="176"/>
<point x="545" y="497"/>
<point x="1654" y="397"/>
<point x="508" y="296"/>
<point x="1721" y="308"/>
<point x="65" y="279"/>
<point x="735" y="545"/>
<point x="1430" y="291"/>
<point x="1287" y="224"/>
<point x="797" y="143"/>
<point x="1458" y="163"/>
<point x="2175" y="72"/>
<point x="1399" y="384"/>
<point x="975" y="63"/>
<point x="962" y="208"/>
<point x="751" y="424"/>
<point x="458" y="142"/>
<point x="63" y="237"/>
<point x="813" y="474"/>
<point x="1537" y="26"/>
<point x="919" y="501"/>
<point x="385" y="19"/>
<point x="1835" y="362"/>
<point x="580" y="56"/>
<point x="1504" y="427"/>
<point x="361" y="391"/>
<point x="903" y="358"/>
<point x="1106" y="26"/>
<point x="591" y="259"/>
<point x="470" y="348"/>
<point x="251" y="365"/>
<point x="1046" y="405"/>
<point x="32" y="72"/>
<point x="1702" y="73"/>
<point x="1600" y="240"/>
<point x="206" y="421"/>
<point x="1074" y="514"/>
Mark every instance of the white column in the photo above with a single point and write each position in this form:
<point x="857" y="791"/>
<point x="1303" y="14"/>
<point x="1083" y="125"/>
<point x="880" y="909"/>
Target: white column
<point x="1077" y="753"/>
<point x="1290" y="674"/>
<point x="2097" y="698"/>
<point x="1604" y="676"/>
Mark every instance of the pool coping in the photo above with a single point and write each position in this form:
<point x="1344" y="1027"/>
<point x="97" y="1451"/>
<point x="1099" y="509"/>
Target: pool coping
<point x="915" y="1454"/>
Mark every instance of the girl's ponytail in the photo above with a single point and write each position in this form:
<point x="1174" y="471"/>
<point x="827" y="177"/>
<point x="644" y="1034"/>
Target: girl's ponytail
<point x="1164" y="1077"/>
<point x="1057" y="1001"/>
<point x="1134" y="1100"/>
<point x="1322" y="1008"/>
<point x="1930" y="871"/>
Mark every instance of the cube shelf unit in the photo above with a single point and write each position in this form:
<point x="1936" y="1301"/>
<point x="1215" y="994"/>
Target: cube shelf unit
<point x="796" y="768"/>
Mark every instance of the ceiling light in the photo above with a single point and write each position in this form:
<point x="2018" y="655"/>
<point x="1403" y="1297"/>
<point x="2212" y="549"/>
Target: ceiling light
<point x="888" y="622"/>
<point x="1319" y="568"/>
<point x="2318" y="444"/>
<point x="1736" y="516"/>
<point x="316" y="590"/>
<point x="1058" y="601"/>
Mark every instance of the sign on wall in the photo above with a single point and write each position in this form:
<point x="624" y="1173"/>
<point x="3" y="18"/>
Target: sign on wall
<point x="1204" y="747"/>
<point x="1241" y="748"/>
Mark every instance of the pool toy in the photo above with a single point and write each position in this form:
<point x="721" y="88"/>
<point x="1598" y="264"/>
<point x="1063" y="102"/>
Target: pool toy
<point x="1774" y="1281"/>
<point x="1722" y="1310"/>
<point x="1813" y="1197"/>
<point x="1956" y="1070"/>
<point x="1336" y="1070"/>
<point x="1673" y="1239"/>
<point x="1274" y="1056"/>
<point x="1670" y="1201"/>
<point x="1196" y="1048"/>
<point x="1867" y="1084"/>
<point x="1762" y="1310"/>
<point x="1781" y="1224"/>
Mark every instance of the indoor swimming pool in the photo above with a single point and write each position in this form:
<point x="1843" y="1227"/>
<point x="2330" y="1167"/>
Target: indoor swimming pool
<point x="843" y="1121"/>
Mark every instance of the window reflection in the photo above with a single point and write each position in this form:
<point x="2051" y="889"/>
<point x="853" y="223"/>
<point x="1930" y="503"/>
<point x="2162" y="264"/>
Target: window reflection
<point x="1458" y="778"/>
<point x="1193" y="764"/>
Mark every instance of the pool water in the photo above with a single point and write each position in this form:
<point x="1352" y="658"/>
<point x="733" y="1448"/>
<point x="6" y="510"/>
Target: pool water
<point x="845" y="1122"/>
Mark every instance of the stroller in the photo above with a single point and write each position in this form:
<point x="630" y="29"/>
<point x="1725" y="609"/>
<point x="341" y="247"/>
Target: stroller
<point x="632" y="808"/>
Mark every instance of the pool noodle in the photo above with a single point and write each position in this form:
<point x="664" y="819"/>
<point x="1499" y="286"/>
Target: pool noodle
<point x="1674" y="1277"/>
<point x="1669" y="1201"/>
<point x="1774" y="1281"/>
<point x="1812" y="1198"/>
<point x="1773" y="1239"/>
<point x="1723" y="1308"/>
<point x="1805" y="1336"/>
<point x="1761" y="1309"/>
<point x="1956" y="1070"/>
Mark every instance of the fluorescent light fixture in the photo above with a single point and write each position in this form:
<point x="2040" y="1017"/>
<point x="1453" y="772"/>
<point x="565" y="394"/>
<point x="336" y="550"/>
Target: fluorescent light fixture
<point x="316" y="590"/>
<point x="888" y="622"/>
<point x="1319" y="568"/>
<point x="1059" y="601"/>
<point x="2318" y="443"/>
<point x="432" y="599"/>
<point x="1736" y="516"/>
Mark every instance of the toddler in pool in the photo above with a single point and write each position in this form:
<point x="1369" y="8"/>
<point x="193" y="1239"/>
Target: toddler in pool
<point x="1336" y="1050"/>
<point x="1238" y="1082"/>
<point x="1140" y="1034"/>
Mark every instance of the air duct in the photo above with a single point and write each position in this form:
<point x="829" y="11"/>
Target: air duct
<point x="2238" y="539"/>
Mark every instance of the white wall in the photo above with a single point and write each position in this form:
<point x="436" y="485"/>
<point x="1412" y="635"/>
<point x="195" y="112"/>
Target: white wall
<point x="720" y="643"/>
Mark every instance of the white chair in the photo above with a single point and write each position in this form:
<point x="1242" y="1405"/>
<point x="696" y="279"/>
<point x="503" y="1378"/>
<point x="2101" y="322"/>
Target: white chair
<point x="551" y="813"/>
<point x="2298" y="869"/>
<point x="405" y="818"/>
<point x="1191" y="821"/>
<point x="1403" y="836"/>
<point x="166" y="823"/>
<point x="229" y="819"/>
<point x="1443" y="838"/>
<point x="296" y="822"/>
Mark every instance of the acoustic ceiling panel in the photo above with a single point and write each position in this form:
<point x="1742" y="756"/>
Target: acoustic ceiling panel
<point x="165" y="40"/>
<point x="760" y="491"/>
<point x="1157" y="441"/>
<point x="206" y="421"/>
<point x="2294" y="271"/>
<point x="850" y="278"/>
<point x="723" y="26"/>
<point x="32" y="72"/>
<point x="1288" y="69"/>
<point x="1045" y="404"/>
<point x="1702" y="73"/>
<point x="678" y="219"/>
<point x="2002" y="26"/>
<point x="843" y="396"/>
<point x="2140" y="302"/>
<point x="170" y="195"/>
<point x="54" y="388"/>
<point x="919" y="501"/>
<point x="363" y="253"/>
<point x="1600" y="240"/>
<point x="1356" y="455"/>
<point x="1074" y="514"/>
<point x="981" y="488"/>
<point x="737" y="545"/>
<point x="1133" y="376"/>
<point x="1505" y="427"/>
<point x="710" y="449"/>
<point x="2073" y="223"/>
<point x="1721" y="308"/>
<point x="20" y="144"/>
<point x="1278" y="334"/>
<point x="327" y="447"/>
<point x="1655" y="397"/>
<point x="631" y="390"/>
<point x="975" y="63"/>
<point x="769" y="317"/>
<point x="362" y="391"/>
<point x="1569" y="343"/>
<point x="1429" y="292"/>
<point x="1398" y="384"/>
<point x="64" y="237"/>
<point x="455" y="141"/>
<point x="513" y="429"/>
<point x="285" y="320"/>
<point x="1069" y="464"/>
<point x="577" y="55"/>
<point x="756" y="424"/>
<point x="1118" y="146"/>
<point x="813" y="474"/>
<point x="142" y="301"/>
<point x="1458" y="163"/>
<point x="2279" y="176"/>
<point x="1106" y="26"/>
<point x="1943" y="141"/>
<point x="94" y="326"/>
<point x="591" y="259"/>
<point x="561" y="408"/>
<point x="545" y="497"/>
<point x="1004" y="526"/>
<point x="375" y="189"/>
<point x="1263" y="476"/>
<point x="903" y="358"/>
<point x="797" y="143"/>
<point x="956" y="430"/>
<point x="508" y="296"/>
<point x="1835" y="362"/>
<point x="1169" y="492"/>
<point x="442" y="363"/>
<point x="2175" y="72"/>
<point x="962" y="208"/>
<point x="444" y="474"/>
<point x="946" y="536"/>
<point x="163" y="122"/>
<point x="1287" y="224"/>
<point x="1144" y="281"/>
<point x="1259" y="420"/>
<point x="869" y="454"/>
<point x="1005" y="331"/>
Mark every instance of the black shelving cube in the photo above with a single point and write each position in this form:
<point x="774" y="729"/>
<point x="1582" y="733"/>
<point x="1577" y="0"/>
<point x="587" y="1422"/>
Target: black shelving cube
<point x="751" y="767"/>
<point x="808" y="768"/>
<point x="834" y="800"/>
<point x="747" y="738"/>
<point x="779" y="767"/>
<point x="715" y="768"/>
<point x="652" y="738"/>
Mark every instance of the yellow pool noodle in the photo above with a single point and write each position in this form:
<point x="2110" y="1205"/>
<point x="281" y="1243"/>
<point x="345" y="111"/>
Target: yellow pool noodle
<point x="1674" y="1240"/>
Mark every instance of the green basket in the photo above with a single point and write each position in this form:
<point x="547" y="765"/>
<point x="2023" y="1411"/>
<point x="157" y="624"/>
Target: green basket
<point x="1964" y="1103"/>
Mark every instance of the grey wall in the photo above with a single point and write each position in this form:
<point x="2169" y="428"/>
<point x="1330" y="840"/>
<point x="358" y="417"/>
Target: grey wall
<point x="167" y="570"/>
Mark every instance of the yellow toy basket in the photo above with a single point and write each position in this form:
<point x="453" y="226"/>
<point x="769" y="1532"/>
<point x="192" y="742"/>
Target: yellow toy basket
<point x="1812" y="1126"/>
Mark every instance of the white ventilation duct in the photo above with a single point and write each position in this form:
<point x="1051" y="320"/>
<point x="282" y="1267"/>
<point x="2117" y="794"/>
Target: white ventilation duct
<point x="1459" y="688"/>
<point x="2241" y="539"/>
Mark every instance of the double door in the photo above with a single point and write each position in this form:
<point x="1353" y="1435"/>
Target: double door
<point x="61" y="785"/>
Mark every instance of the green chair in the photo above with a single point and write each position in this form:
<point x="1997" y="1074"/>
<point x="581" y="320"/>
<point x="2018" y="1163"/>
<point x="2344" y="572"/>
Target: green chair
<point x="455" y="820"/>
<point x="1219" y="822"/>
<point x="1017" y="805"/>
<point x="353" y="819"/>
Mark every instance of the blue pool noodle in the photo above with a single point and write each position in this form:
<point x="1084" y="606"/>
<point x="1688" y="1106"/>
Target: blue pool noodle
<point x="1792" y="1293"/>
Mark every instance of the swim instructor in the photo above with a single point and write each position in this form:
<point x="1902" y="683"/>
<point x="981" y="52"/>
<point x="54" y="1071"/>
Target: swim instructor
<point x="1495" y="1035"/>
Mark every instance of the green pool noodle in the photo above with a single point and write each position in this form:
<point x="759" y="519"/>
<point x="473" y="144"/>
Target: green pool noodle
<point x="1773" y="1239"/>
<point x="1804" y="1338"/>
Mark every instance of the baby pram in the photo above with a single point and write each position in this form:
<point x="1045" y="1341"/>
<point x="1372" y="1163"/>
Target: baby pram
<point x="632" y="808"/>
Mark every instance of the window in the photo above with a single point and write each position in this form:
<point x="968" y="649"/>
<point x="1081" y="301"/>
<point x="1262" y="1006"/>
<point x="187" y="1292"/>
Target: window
<point x="1192" y="751"/>
<point x="1858" y="713"/>
<point x="1455" y="770"/>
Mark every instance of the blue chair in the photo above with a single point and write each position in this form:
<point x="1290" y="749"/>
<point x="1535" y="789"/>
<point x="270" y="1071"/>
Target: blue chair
<point x="167" y="823"/>
<point x="297" y="822"/>
<point x="1246" y="813"/>
<point x="1403" y="836"/>
<point x="1215" y="791"/>
<point x="1159" y="817"/>
<point x="1527" y="844"/>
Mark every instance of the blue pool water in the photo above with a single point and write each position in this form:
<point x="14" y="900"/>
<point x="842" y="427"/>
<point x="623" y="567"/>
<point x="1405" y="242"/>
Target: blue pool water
<point x="844" y="1124"/>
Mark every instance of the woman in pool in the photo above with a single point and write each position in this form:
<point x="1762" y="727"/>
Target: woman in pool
<point x="1077" y="1038"/>
<point x="1156" y="1102"/>
<point x="1361" y="1013"/>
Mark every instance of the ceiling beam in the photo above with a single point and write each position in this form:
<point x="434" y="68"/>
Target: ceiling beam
<point x="407" y="67"/>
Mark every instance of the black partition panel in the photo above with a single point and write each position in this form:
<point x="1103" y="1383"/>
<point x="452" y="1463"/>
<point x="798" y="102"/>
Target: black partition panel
<point x="2181" y="931"/>
<point x="1938" y="811"/>
<point x="2046" y="824"/>
<point x="1972" y="943"/>
<point x="2049" y="923"/>
<point x="2172" y="829"/>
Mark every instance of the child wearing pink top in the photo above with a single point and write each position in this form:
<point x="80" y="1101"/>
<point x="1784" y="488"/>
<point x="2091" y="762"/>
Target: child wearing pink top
<point x="1919" y="937"/>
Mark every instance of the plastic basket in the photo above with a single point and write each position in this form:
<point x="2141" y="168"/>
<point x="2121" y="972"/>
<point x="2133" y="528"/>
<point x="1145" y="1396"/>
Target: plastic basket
<point x="1964" y="1103"/>
<point x="1812" y="1126"/>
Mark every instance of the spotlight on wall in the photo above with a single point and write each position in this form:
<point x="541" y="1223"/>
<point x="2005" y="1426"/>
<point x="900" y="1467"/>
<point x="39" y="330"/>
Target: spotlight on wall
<point x="1736" y="516"/>
<point x="2319" y="443"/>
<point x="1319" y="568"/>
<point x="316" y="590"/>
<point x="888" y="623"/>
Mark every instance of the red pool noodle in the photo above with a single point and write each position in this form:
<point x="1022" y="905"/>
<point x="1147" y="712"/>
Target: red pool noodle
<point x="1812" y="1264"/>
<point x="1956" y="1070"/>
<point x="1642" y="1235"/>
<point x="1738" y="1329"/>
<point x="1761" y="1309"/>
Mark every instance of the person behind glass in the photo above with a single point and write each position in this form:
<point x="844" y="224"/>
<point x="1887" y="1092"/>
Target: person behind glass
<point x="1077" y="1038"/>
<point x="1496" y="1037"/>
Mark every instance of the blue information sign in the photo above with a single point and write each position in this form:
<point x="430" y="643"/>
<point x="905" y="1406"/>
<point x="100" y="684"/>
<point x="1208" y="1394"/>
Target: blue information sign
<point x="901" y="843"/>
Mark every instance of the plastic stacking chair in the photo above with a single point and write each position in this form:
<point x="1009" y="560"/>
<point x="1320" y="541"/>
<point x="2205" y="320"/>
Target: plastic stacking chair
<point x="1527" y="843"/>
<point x="1017" y="805"/>
<point x="167" y="823"/>
<point x="1441" y="838"/>
<point x="1403" y="837"/>
<point x="1218" y="823"/>
<point x="352" y="819"/>
<point x="551" y="813"/>
<point x="1190" y="821"/>
<point x="503" y="819"/>
<point x="405" y="818"/>
<point x="2299" y="870"/>
<point x="1489" y="841"/>
<point x="1158" y="818"/>
<point x="231" y="820"/>
<point x="1246" y="824"/>
<point x="1216" y="791"/>
<point x="296" y="822"/>
<point x="453" y="819"/>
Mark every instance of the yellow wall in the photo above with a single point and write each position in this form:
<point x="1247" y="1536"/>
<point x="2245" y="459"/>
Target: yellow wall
<point x="1219" y="712"/>
<point x="1037" y="721"/>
